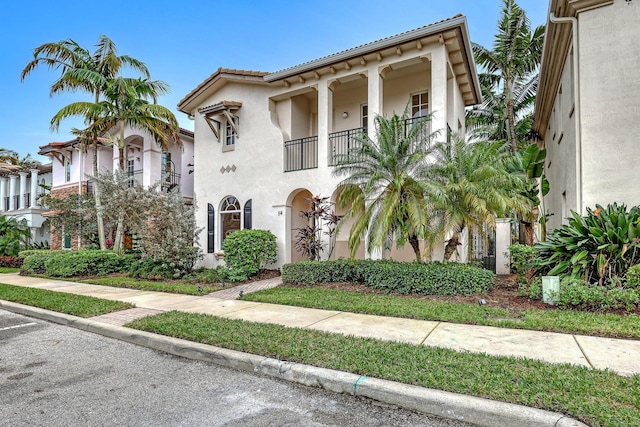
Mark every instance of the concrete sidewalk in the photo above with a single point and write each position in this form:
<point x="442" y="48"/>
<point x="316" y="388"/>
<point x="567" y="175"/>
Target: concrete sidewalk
<point x="601" y="353"/>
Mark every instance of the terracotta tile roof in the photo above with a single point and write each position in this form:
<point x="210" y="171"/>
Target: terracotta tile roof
<point x="220" y="71"/>
<point x="187" y="132"/>
<point x="375" y="42"/>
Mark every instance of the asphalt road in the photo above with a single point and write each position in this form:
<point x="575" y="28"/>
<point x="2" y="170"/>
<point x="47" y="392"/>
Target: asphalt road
<point x="51" y="375"/>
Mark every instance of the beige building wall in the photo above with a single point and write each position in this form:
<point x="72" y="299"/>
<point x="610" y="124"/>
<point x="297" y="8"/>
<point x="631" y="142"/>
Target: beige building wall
<point x="601" y="167"/>
<point x="610" y="93"/>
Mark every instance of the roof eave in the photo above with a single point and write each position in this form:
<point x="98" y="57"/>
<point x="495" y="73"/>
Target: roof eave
<point x="368" y="48"/>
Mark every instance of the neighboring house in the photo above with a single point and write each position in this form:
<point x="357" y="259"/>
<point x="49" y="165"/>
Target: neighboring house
<point x="145" y="163"/>
<point x="19" y="198"/>
<point x="266" y="141"/>
<point x="587" y="109"/>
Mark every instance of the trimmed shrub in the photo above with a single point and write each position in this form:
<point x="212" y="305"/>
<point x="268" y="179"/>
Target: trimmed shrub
<point x="633" y="277"/>
<point x="576" y="294"/>
<point x="75" y="263"/>
<point x="29" y="252"/>
<point x="34" y="263"/>
<point x="151" y="269"/>
<point x="434" y="278"/>
<point x="86" y="263"/>
<point x="208" y="275"/>
<point x="246" y="252"/>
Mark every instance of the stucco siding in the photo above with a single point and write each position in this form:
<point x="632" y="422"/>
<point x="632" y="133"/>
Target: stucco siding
<point x="610" y="90"/>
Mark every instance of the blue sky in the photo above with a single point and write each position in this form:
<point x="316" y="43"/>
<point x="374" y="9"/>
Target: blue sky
<point x="183" y="42"/>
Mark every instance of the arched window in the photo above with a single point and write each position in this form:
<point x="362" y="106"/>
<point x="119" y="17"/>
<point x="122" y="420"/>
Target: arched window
<point x="229" y="216"/>
<point x="247" y="215"/>
<point x="211" y="219"/>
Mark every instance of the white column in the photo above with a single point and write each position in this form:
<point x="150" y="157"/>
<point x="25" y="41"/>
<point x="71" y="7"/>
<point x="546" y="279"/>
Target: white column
<point x="503" y="241"/>
<point x="12" y="191"/>
<point x="23" y="189"/>
<point x="3" y="192"/>
<point x="325" y="115"/>
<point x="34" y="188"/>
<point x="375" y="86"/>
<point x="438" y="107"/>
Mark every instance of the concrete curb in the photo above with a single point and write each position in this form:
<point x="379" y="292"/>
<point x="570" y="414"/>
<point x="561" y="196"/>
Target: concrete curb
<point x="470" y="409"/>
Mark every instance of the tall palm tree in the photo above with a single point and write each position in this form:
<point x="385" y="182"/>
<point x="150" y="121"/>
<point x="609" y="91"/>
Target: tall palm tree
<point x="509" y="78"/>
<point x="466" y="187"/>
<point x="90" y="72"/>
<point x="381" y="186"/>
<point x="126" y="101"/>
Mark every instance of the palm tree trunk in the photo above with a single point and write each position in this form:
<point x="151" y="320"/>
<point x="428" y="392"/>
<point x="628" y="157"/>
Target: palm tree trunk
<point x="415" y="244"/>
<point x="511" y="123"/>
<point x="117" y="242"/>
<point x="96" y="196"/>
<point x="452" y="245"/>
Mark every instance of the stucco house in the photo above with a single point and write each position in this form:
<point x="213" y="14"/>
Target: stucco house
<point x="265" y="141"/>
<point x="19" y="197"/>
<point x="72" y="166"/>
<point x="587" y="111"/>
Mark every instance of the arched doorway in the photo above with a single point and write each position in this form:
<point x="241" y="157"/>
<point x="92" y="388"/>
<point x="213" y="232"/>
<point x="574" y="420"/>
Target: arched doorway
<point x="298" y="204"/>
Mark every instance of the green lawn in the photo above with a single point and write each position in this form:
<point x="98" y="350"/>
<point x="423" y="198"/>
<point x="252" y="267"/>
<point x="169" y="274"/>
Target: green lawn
<point x="566" y="321"/>
<point x="4" y="270"/>
<point x="598" y="398"/>
<point x="76" y="305"/>
<point x="150" y="285"/>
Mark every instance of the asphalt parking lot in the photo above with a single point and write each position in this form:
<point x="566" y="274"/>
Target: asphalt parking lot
<point x="52" y="375"/>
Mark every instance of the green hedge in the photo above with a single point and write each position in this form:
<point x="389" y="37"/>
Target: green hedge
<point x="29" y="252"/>
<point x="76" y="263"/>
<point x="434" y="278"/>
<point x="246" y="252"/>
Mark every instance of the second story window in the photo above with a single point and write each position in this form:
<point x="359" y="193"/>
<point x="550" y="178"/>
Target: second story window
<point x="67" y="170"/>
<point x="230" y="134"/>
<point x="420" y="104"/>
<point x="364" y="116"/>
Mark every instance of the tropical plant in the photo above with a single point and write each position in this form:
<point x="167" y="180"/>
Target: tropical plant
<point x="381" y="189"/>
<point x="597" y="247"/>
<point x="509" y="79"/>
<point x="320" y="220"/>
<point x="467" y="186"/>
<point x="90" y="72"/>
<point x="13" y="235"/>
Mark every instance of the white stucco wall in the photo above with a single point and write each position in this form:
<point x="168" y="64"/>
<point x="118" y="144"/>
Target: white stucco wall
<point x="610" y="90"/>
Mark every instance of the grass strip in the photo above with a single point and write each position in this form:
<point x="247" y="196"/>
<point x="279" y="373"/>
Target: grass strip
<point x="76" y="305"/>
<point x="4" y="270"/>
<point x="598" y="398"/>
<point x="565" y="321"/>
<point x="149" y="285"/>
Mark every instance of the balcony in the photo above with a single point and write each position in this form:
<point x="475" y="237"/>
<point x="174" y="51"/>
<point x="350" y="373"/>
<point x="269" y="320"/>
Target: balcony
<point x="169" y="181"/>
<point x="300" y="154"/>
<point x="425" y="131"/>
<point x="342" y="143"/>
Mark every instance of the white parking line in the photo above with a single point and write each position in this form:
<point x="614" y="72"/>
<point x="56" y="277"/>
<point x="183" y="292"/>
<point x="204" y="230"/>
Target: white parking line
<point x="18" y="326"/>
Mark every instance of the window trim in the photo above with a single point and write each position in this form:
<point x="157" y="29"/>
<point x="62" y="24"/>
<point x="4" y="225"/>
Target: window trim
<point x="226" y="202"/>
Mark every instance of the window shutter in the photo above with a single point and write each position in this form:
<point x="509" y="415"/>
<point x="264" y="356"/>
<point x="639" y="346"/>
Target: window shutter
<point x="247" y="215"/>
<point x="210" y="228"/>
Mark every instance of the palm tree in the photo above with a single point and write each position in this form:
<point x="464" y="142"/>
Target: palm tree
<point x="90" y="72"/>
<point x="467" y="186"/>
<point x="381" y="186"/>
<point x="126" y="102"/>
<point x="509" y="78"/>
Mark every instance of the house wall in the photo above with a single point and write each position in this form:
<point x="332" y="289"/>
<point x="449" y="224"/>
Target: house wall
<point x="560" y="143"/>
<point x="610" y="89"/>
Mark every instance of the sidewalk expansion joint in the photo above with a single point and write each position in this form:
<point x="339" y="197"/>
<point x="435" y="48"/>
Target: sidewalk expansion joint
<point x="322" y="320"/>
<point x="429" y="334"/>
<point x="583" y="352"/>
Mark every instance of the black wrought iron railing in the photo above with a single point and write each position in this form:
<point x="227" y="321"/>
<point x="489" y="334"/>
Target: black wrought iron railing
<point x="169" y="181"/>
<point x="27" y="200"/>
<point x="425" y="126"/>
<point x="342" y="144"/>
<point x="16" y="202"/>
<point x="300" y="154"/>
